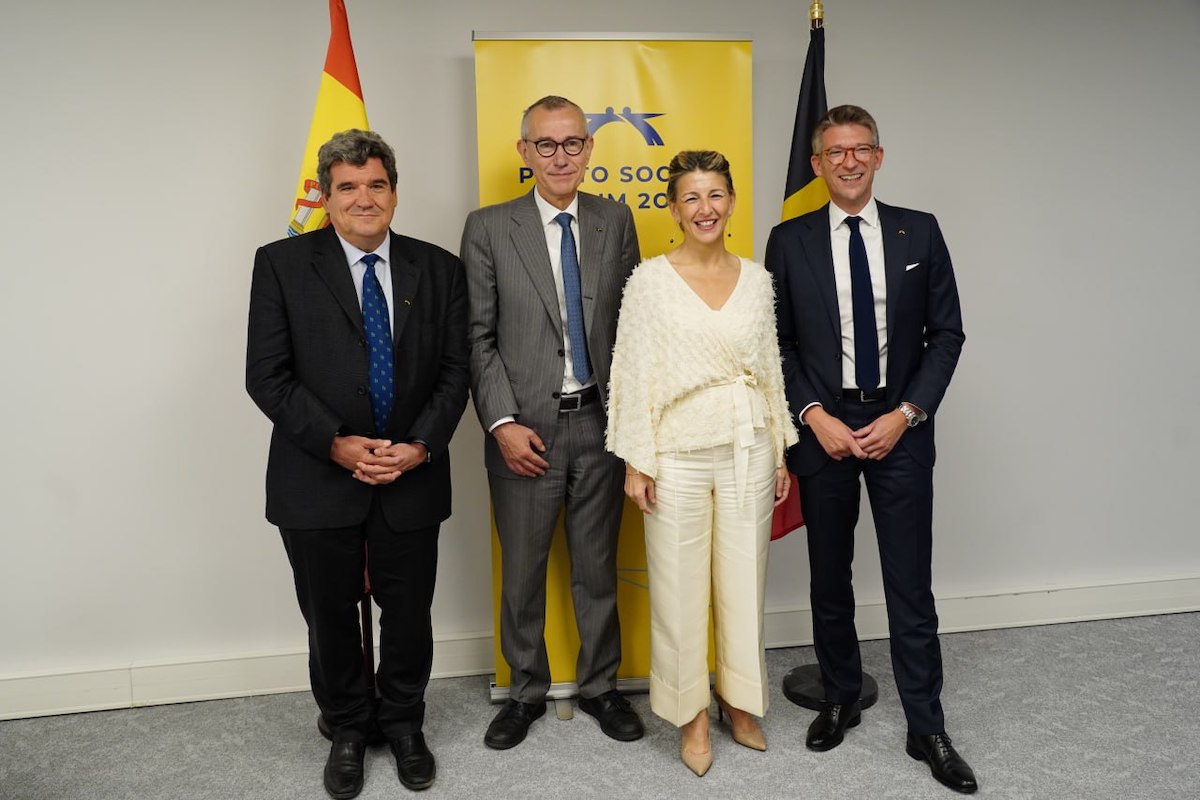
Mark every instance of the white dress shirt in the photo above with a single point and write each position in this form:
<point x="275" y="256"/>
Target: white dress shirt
<point x="553" y="233"/>
<point x="383" y="271"/>
<point x="839" y="238"/>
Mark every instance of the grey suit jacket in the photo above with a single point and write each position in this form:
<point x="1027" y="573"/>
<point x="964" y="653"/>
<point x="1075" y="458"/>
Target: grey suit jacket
<point x="515" y="331"/>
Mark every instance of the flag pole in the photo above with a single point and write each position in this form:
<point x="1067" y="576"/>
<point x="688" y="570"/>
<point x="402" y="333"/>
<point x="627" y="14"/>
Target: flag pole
<point x="816" y="14"/>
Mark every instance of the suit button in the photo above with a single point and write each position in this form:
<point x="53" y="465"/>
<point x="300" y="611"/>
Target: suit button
<point x="556" y="395"/>
<point x="838" y="356"/>
<point x="562" y="352"/>
<point x="360" y="391"/>
<point x="362" y="342"/>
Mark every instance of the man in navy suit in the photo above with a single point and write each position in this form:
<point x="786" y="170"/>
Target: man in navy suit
<point x="357" y="352"/>
<point x="870" y="332"/>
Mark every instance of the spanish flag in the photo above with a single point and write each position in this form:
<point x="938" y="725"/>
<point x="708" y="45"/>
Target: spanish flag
<point x="339" y="107"/>
<point x="804" y="191"/>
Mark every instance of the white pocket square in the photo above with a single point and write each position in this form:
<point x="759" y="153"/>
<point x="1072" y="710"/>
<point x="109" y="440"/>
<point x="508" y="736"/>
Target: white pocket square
<point x="912" y="266"/>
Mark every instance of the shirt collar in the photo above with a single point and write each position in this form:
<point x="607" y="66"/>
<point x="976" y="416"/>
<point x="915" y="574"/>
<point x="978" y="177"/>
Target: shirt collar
<point x="354" y="255"/>
<point x="869" y="214"/>
<point x="549" y="212"/>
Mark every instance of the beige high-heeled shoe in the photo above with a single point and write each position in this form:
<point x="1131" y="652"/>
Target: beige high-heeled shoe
<point x="697" y="762"/>
<point x="747" y="732"/>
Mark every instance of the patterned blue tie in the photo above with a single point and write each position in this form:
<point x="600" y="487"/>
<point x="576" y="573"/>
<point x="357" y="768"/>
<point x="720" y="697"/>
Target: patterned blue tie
<point x="570" y="272"/>
<point x="379" y="344"/>
<point x="866" y="336"/>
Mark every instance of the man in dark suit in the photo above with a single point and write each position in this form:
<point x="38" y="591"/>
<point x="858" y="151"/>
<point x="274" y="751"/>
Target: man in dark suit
<point x="543" y="323"/>
<point x="870" y="331"/>
<point x="357" y="353"/>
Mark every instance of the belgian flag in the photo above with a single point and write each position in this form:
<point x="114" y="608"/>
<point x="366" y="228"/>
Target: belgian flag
<point x="804" y="191"/>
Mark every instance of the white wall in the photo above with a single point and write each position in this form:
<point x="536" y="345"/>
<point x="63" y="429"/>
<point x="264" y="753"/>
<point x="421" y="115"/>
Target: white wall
<point x="151" y="146"/>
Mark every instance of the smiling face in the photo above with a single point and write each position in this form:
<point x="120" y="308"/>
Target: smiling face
<point x="850" y="181"/>
<point x="558" y="175"/>
<point x="360" y="203"/>
<point x="702" y="205"/>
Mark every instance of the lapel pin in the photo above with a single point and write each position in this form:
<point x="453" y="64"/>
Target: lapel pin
<point x="901" y="231"/>
<point x="408" y="302"/>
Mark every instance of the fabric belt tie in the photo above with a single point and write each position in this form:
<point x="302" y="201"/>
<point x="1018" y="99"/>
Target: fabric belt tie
<point x="747" y="417"/>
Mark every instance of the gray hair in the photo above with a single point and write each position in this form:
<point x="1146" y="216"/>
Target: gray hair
<point x="550" y="102"/>
<point x="354" y="147"/>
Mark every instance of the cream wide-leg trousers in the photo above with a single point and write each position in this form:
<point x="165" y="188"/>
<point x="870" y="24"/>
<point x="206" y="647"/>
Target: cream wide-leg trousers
<point x="701" y="542"/>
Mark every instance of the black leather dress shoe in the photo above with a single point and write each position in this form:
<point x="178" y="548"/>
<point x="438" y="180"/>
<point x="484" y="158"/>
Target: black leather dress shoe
<point x="829" y="728"/>
<point x="509" y="727"/>
<point x="414" y="762"/>
<point x="344" y="770"/>
<point x="616" y="716"/>
<point x="947" y="766"/>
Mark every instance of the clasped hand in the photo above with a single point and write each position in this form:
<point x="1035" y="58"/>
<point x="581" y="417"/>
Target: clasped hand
<point x="872" y="441"/>
<point x="376" y="461"/>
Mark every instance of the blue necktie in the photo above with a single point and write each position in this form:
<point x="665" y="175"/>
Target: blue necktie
<point x="570" y="272"/>
<point x="379" y="344"/>
<point x="866" y="336"/>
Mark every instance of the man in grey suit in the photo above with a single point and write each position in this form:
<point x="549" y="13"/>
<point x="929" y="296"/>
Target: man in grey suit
<point x="543" y="319"/>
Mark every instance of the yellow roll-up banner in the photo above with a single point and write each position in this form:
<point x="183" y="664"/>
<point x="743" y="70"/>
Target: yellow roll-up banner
<point x="645" y="100"/>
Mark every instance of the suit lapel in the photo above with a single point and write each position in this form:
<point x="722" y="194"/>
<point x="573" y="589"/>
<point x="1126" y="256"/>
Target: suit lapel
<point x="895" y="250"/>
<point x="820" y="257"/>
<point x="530" y="242"/>
<point x="329" y="260"/>
<point x="405" y="278"/>
<point x="591" y="253"/>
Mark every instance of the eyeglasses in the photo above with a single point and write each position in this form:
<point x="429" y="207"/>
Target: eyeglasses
<point x="837" y="155"/>
<point x="546" y="148"/>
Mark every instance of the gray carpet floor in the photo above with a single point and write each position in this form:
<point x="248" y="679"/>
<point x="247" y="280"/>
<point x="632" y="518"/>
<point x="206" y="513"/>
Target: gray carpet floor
<point x="1090" y="710"/>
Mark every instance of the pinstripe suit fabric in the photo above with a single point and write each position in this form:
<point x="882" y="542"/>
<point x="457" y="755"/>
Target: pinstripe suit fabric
<point x="517" y="367"/>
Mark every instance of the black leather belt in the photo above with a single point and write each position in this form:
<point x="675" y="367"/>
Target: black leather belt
<point x="577" y="400"/>
<point x="859" y="396"/>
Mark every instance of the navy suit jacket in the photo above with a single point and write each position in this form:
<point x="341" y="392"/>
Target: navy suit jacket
<point x="306" y="368"/>
<point x="924" y="322"/>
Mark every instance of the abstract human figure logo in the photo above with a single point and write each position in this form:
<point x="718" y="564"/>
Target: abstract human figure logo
<point x="596" y="121"/>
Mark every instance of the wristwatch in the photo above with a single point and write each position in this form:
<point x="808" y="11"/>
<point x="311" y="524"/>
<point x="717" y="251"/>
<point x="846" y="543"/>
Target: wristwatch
<point x="910" y="414"/>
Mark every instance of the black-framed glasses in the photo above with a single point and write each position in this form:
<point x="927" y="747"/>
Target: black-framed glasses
<point x="546" y="148"/>
<point x="837" y="155"/>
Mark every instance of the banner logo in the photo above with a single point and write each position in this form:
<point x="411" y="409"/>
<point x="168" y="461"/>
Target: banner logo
<point x="596" y="121"/>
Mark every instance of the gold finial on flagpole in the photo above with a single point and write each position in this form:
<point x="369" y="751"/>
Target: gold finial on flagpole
<point x="816" y="13"/>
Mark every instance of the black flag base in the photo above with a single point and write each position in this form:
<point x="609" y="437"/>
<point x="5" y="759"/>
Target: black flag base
<point x="804" y="688"/>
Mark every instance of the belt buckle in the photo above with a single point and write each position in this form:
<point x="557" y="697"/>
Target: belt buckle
<point x="565" y="404"/>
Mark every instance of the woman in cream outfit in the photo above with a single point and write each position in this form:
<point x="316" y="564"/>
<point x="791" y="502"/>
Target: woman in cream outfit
<point x="697" y="411"/>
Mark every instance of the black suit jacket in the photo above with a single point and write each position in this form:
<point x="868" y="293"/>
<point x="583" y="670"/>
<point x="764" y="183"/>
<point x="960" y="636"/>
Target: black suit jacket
<point x="306" y="368"/>
<point x="924" y="322"/>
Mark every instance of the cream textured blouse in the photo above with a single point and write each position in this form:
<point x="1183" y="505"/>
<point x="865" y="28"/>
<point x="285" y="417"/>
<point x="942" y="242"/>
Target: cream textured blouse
<point x="686" y="377"/>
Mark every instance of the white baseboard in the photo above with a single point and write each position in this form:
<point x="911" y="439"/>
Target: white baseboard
<point x="473" y="654"/>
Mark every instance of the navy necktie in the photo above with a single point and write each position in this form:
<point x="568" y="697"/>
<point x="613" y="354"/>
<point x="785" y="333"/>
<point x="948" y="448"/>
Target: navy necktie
<point x="866" y="336"/>
<point x="570" y="272"/>
<point x="379" y="345"/>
